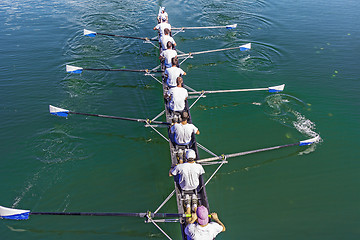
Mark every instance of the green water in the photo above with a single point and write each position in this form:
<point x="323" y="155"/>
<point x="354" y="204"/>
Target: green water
<point x="88" y="164"/>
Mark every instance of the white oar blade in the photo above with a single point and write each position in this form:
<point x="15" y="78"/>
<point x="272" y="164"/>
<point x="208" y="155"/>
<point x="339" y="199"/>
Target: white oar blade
<point x="58" y="111"/>
<point x="309" y="141"/>
<point x="89" y="33"/>
<point x="233" y="26"/>
<point x="245" y="47"/>
<point x="15" y="214"/>
<point x="73" y="69"/>
<point x="279" y="88"/>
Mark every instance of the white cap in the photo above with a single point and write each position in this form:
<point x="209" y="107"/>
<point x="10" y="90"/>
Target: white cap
<point x="190" y="154"/>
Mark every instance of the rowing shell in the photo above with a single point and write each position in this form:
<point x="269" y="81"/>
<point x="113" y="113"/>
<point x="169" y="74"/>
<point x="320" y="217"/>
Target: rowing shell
<point x="177" y="153"/>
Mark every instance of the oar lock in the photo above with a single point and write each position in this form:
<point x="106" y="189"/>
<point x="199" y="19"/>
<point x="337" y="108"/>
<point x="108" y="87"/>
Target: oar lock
<point x="148" y="217"/>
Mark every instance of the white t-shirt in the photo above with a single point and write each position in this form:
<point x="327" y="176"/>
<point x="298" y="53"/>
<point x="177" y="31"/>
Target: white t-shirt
<point x="178" y="96"/>
<point x="183" y="133"/>
<point x="196" y="232"/>
<point x="189" y="175"/>
<point x="162" y="26"/>
<point x="165" y="39"/>
<point x="173" y="73"/>
<point x="162" y="15"/>
<point x="168" y="55"/>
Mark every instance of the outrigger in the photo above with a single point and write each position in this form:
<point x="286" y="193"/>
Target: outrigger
<point x="176" y="152"/>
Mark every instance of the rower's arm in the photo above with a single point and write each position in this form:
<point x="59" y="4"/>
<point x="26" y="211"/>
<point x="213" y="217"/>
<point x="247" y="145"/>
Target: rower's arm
<point x="215" y="217"/>
<point x="198" y="132"/>
<point x="193" y="218"/>
<point x="170" y="171"/>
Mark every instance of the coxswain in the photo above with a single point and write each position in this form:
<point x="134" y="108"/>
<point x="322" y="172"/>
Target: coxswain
<point x="203" y="229"/>
<point x="177" y="96"/>
<point x="161" y="27"/>
<point x="182" y="132"/>
<point x="168" y="55"/>
<point x="173" y="72"/>
<point x="162" y="15"/>
<point x="164" y="39"/>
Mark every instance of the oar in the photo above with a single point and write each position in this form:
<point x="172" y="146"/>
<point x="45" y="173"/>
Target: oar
<point x="279" y="88"/>
<point x="93" y="34"/>
<point x="242" y="48"/>
<point x="64" y="113"/>
<point x="74" y="69"/>
<point x="20" y="214"/>
<point x="301" y="143"/>
<point x="232" y="26"/>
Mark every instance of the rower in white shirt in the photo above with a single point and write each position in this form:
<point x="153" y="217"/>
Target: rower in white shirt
<point x="177" y="96"/>
<point x="173" y="72"/>
<point x="164" y="39"/>
<point x="182" y="132"/>
<point x="161" y="27"/>
<point x="168" y="55"/>
<point x="162" y="15"/>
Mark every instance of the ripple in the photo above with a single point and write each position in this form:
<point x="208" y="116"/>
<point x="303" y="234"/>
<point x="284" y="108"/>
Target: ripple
<point x="260" y="58"/>
<point x="57" y="145"/>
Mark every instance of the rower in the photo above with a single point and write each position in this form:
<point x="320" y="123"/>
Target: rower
<point x="168" y="54"/>
<point x="204" y="229"/>
<point x="161" y="27"/>
<point x="164" y="39"/>
<point x="177" y="96"/>
<point x="162" y="15"/>
<point x="182" y="132"/>
<point x="189" y="173"/>
<point x="173" y="72"/>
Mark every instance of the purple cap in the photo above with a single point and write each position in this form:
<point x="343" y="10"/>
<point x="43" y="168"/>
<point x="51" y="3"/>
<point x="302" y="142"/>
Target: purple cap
<point x="203" y="215"/>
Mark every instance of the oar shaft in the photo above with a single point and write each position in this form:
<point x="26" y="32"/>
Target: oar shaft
<point x="115" y="214"/>
<point x="245" y="153"/>
<point x="208" y="51"/>
<point x="260" y="150"/>
<point x="121" y="70"/>
<point x="188" y="28"/>
<point x="120" y="118"/>
<point x="89" y="214"/>
<point x="229" y="91"/>
<point x="114" y="35"/>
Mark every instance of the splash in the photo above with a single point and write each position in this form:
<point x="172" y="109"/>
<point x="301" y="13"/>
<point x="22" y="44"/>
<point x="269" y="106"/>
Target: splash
<point x="287" y="109"/>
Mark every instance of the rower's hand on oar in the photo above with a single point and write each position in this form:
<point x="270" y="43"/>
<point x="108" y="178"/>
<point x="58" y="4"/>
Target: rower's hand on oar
<point x="193" y="218"/>
<point x="214" y="216"/>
